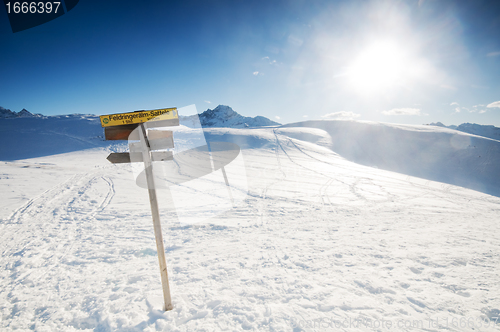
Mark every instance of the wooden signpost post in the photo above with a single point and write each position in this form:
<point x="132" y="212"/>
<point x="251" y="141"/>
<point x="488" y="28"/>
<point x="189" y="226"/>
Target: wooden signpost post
<point x="133" y="126"/>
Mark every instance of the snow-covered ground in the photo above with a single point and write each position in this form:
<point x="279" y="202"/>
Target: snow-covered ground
<point x="319" y="243"/>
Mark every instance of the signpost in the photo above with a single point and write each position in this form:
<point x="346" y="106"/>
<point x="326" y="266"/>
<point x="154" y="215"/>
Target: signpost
<point x="133" y="126"/>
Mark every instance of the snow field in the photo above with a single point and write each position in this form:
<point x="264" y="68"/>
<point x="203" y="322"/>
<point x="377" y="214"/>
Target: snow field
<point x="317" y="239"/>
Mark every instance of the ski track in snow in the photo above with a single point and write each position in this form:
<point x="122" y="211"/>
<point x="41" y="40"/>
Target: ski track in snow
<point x="318" y="239"/>
<point x="39" y="235"/>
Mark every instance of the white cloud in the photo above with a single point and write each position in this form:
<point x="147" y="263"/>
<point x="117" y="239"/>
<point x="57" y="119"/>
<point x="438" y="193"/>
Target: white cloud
<point x="268" y="59"/>
<point x="343" y="115"/>
<point x="493" y="53"/>
<point x="277" y="117"/>
<point x="477" y="108"/>
<point x="208" y="101"/>
<point x="494" y="104"/>
<point x="305" y="116"/>
<point x="403" y="111"/>
<point x="255" y="73"/>
<point x="459" y="108"/>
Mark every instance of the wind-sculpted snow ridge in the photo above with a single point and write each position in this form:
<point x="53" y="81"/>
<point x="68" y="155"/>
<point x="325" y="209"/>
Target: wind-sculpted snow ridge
<point x="427" y="152"/>
<point x="224" y="116"/>
<point x="320" y="244"/>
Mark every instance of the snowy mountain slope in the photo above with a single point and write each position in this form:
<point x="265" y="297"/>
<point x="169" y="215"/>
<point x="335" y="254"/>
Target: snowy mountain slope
<point x="30" y="137"/>
<point x="224" y="116"/>
<point x="428" y="152"/>
<point x="480" y="130"/>
<point x="475" y="129"/>
<point x="319" y="240"/>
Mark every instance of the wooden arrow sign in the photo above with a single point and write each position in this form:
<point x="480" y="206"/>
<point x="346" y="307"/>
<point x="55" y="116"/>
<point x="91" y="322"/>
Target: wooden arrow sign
<point x="126" y="132"/>
<point x="159" y="134"/>
<point x="121" y="133"/>
<point x="158" y="140"/>
<point x="136" y="157"/>
<point x="162" y="123"/>
<point x="121" y="157"/>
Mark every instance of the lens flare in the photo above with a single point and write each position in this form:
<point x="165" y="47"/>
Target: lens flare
<point x="381" y="66"/>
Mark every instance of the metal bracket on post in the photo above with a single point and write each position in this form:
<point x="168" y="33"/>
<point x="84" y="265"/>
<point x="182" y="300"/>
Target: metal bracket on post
<point x="153" y="200"/>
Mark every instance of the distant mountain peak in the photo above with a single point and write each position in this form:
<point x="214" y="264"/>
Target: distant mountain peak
<point x="221" y="111"/>
<point x="440" y="124"/>
<point x="225" y="116"/>
<point x="24" y="113"/>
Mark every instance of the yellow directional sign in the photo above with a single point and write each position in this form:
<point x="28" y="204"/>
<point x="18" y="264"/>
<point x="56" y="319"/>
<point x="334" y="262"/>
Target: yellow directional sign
<point x="139" y="117"/>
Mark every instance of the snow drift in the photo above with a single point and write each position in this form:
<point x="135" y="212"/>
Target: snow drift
<point x="427" y="152"/>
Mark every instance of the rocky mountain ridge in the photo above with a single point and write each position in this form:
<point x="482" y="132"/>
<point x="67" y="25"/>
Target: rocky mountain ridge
<point x="225" y="116"/>
<point x="24" y="113"/>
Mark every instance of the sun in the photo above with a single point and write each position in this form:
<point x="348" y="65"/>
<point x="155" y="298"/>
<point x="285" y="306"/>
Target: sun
<point x="379" y="67"/>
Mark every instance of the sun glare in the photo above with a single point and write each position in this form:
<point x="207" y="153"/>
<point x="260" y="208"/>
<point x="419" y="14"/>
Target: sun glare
<point x="379" y="67"/>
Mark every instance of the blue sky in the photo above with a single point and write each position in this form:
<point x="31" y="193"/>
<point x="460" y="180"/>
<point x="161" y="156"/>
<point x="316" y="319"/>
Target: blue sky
<point x="415" y="62"/>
